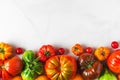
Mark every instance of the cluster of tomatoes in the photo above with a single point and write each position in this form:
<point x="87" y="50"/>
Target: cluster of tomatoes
<point x="59" y="66"/>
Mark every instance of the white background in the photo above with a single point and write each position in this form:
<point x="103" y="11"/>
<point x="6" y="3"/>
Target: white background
<point x="32" y="23"/>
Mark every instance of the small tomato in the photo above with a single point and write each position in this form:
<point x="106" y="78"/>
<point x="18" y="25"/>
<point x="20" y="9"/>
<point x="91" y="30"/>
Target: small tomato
<point x="102" y="53"/>
<point x="45" y="52"/>
<point x="77" y="49"/>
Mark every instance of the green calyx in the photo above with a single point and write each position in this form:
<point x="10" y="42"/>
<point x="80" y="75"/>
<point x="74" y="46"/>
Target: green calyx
<point x="90" y="64"/>
<point x="2" y="50"/>
<point x="47" y="53"/>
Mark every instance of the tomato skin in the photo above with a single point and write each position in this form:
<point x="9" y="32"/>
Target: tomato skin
<point x="61" y="51"/>
<point x="89" y="50"/>
<point x="77" y="49"/>
<point x="45" y="52"/>
<point x="6" y="75"/>
<point x="13" y="65"/>
<point x="102" y="53"/>
<point x="114" y="44"/>
<point x="113" y="62"/>
<point x="63" y="66"/>
<point x="19" y="50"/>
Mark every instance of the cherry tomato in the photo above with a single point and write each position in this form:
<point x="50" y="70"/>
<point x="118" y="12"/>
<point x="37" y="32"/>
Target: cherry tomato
<point x="61" y="51"/>
<point x="114" y="44"/>
<point x="19" y="50"/>
<point x="89" y="50"/>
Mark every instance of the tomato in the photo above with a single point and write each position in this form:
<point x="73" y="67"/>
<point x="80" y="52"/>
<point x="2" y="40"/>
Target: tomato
<point x="5" y="51"/>
<point x="42" y="77"/>
<point x="113" y="61"/>
<point x="11" y="67"/>
<point x="61" y="67"/>
<point x="102" y="53"/>
<point x="19" y="50"/>
<point x="77" y="49"/>
<point x="89" y="50"/>
<point x="6" y="75"/>
<point x="17" y="78"/>
<point x="61" y="51"/>
<point x="77" y="77"/>
<point x="0" y="73"/>
<point x="45" y="52"/>
<point x="114" y="44"/>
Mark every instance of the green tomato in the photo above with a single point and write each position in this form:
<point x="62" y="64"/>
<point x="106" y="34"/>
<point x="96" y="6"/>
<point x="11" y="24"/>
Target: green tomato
<point x="107" y="75"/>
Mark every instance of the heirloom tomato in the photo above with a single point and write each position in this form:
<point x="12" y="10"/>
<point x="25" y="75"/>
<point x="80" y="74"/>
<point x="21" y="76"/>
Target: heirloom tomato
<point x="11" y="68"/>
<point x="77" y="49"/>
<point x="45" y="52"/>
<point x="5" y="51"/>
<point x="102" y="53"/>
<point x="89" y="66"/>
<point x="113" y="61"/>
<point x="61" y="67"/>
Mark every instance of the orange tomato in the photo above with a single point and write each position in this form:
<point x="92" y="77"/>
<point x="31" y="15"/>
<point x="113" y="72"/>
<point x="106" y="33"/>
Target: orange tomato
<point x="78" y="77"/>
<point x="42" y="77"/>
<point x="61" y="67"/>
<point x="102" y="53"/>
<point x="5" y="51"/>
<point x="17" y="78"/>
<point x="77" y="49"/>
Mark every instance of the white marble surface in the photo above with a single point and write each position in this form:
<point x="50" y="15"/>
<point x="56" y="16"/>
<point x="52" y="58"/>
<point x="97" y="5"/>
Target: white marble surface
<point x="31" y="23"/>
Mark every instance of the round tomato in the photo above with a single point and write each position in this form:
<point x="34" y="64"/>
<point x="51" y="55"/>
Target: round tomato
<point x="113" y="61"/>
<point x="61" y="67"/>
<point x="45" y="52"/>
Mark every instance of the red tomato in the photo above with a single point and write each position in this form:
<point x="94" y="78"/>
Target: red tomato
<point x="61" y="67"/>
<point x="114" y="44"/>
<point x="6" y="75"/>
<point x="113" y="61"/>
<point x="19" y="50"/>
<point x="45" y="52"/>
<point x="61" y="51"/>
<point x="89" y="50"/>
<point x="11" y="67"/>
<point x="0" y="73"/>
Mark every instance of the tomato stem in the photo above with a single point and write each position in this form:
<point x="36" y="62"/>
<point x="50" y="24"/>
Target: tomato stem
<point x="47" y="53"/>
<point x="2" y="50"/>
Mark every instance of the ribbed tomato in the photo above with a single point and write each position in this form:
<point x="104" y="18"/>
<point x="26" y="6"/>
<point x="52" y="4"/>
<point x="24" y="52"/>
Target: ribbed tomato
<point x="11" y="67"/>
<point x="61" y="67"/>
<point x="113" y="61"/>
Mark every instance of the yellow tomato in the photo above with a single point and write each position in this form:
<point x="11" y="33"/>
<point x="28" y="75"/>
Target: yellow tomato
<point x="5" y="51"/>
<point x="102" y="53"/>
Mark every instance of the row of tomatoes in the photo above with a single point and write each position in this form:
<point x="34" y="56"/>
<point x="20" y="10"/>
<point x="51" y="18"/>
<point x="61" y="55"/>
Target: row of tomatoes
<point x="63" y="67"/>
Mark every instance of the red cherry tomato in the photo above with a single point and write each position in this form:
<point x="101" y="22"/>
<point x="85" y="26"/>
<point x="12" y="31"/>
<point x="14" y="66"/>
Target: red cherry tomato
<point x="19" y="50"/>
<point x="114" y="44"/>
<point x="89" y="50"/>
<point x="61" y="51"/>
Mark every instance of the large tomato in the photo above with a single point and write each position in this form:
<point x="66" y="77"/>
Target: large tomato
<point x="11" y="67"/>
<point x="61" y="67"/>
<point x="113" y="62"/>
